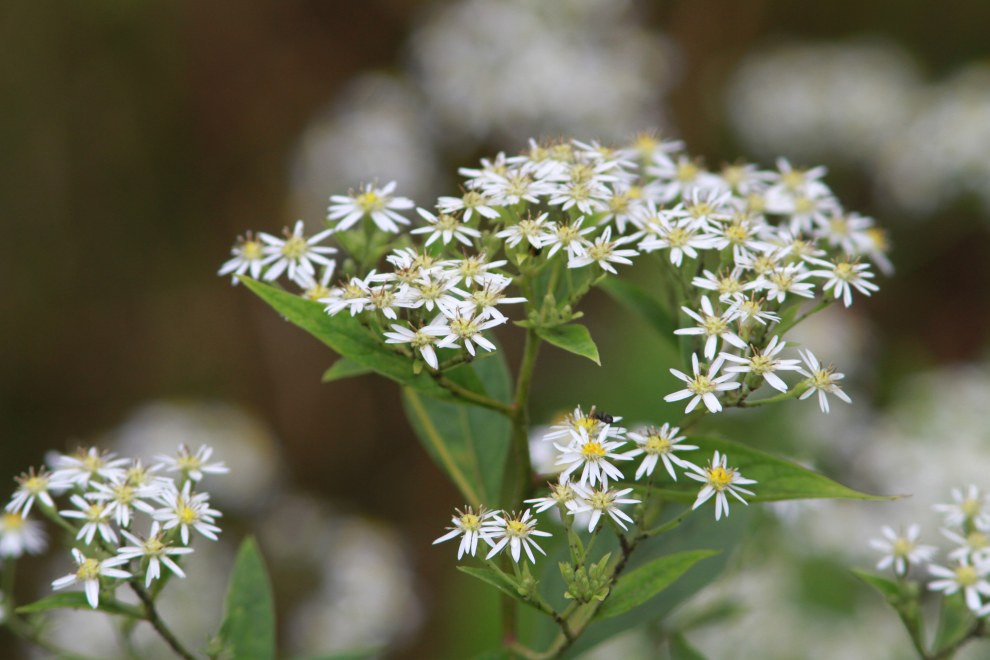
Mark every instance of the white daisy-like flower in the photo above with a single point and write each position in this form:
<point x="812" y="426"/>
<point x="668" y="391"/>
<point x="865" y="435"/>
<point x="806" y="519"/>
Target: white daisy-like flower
<point x="533" y="230"/>
<point x="745" y="309"/>
<point x="971" y="579"/>
<point x="604" y="252"/>
<point x="764" y="363"/>
<point x="711" y="325"/>
<point x="593" y="453"/>
<point x="485" y="299"/>
<point x="445" y="227"/>
<point x="513" y="187"/>
<point x="821" y="379"/>
<point x="466" y="329"/>
<point x="86" y="464"/>
<point x="516" y="532"/>
<point x="247" y="256"/>
<point x="32" y="485"/>
<point x="423" y="339"/>
<point x="703" y="386"/>
<point x="719" y="480"/>
<point x="353" y="295"/>
<point x="603" y="501"/>
<point x="566" y="235"/>
<point x="89" y="571"/>
<point x="969" y="505"/>
<point x="378" y="203"/>
<point x="787" y="280"/>
<point x="294" y="253"/>
<point x="659" y="444"/>
<point x="186" y="510"/>
<point x="561" y="494"/>
<point x="155" y="550"/>
<point x="192" y="465"/>
<point x="727" y="285"/>
<point x="19" y="535"/>
<point x="471" y="527"/>
<point x="680" y="240"/>
<point x="901" y="550"/>
<point x="119" y="497"/>
<point x="472" y="268"/>
<point x="845" y="230"/>
<point x="435" y="291"/>
<point x="592" y="423"/>
<point x="472" y="201"/>
<point x="974" y="545"/>
<point x="316" y="289"/>
<point x="96" y="516"/>
<point x="843" y="276"/>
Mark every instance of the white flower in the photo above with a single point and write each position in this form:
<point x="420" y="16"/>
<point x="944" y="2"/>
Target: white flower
<point x="592" y="424"/>
<point x="191" y="465"/>
<point x="561" y="494"/>
<point x="702" y="386"/>
<point x="515" y="532"/>
<point x="975" y="545"/>
<point x="248" y="257"/>
<point x="594" y="453"/>
<point x="379" y="203"/>
<point x="96" y="515"/>
<point x="422" y="339"/>
<point x="122" y="497"/>
<point x="745" y="309"/>
<point x="680" y="240"/>
<point x="823" y="380"/>
<point x="901" y="550"/>
<point x="567" y="235"/>
<point x="32" y="485"/>
<point x="472" y="268"/>
<point x="19" y="535"/>
<point x="155" y="550"/>
<point x="295" y="253"/>
<point x="470" y="526"/>
<point x="435" y="290"/>
<point x="601" y="501"/>
<point x="711" y="325"/>
<point x="445" y="227"/>
<point x="89" y="571"/>
<point x="788" y="279"/>
<point x="727" y="285"/>
<point x="603" y="252"/>
<point x="82" y="466"/>
<point x="764" y="363"/>
<point x="971" y="505"/>
<point x="484" y="300"/>
<point x="185" y="510"/>
<point x="971" y="579"/>
<point x="531" y="229"/>
<point x="470" y="202"/>
<point x="843" y="276"/>
<point x="718" y="480"/>
<point x="659" y="444"/>
<point x="467" y="329"/>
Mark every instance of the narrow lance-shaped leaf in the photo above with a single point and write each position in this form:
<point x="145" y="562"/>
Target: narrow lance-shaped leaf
<point x="248" y="628"/>
<point x="345" y="368"/>
<point x="638" y="586"/>
<point x="776" y="478"/>
<point x="572" y="337"/>
<point x="76" y="600"/>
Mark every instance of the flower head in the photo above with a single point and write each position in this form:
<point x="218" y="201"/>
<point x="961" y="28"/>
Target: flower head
<point x="515" y="532"/>
<point x="88" y="571"/>
<point x="901" y="549"/>
<point x="470" y="526"/>
<point x="719" y="480"/>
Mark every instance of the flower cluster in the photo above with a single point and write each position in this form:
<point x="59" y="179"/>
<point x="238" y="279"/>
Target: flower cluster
<point x="967" y="526"/>
<point x="107" y="496"/>
<point x="744" y="248"/>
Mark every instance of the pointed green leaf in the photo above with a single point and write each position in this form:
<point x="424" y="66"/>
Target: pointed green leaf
<point x="680" y="649"/>
<point x="890" y="590"/>
<point x="248" y="628"/>
<point x="638" y="586"/>
<point x="344" y="368"/>
<point x="499" y="580"/>
<point x="640" y="303"/>
<point x="776" y="478"/>
<point x="902" y="596"/>
<point x="955" y="621"/>
<point x="76" y="600"/>
<point x="572" y="337"/>
<point x="347" y="336"/>
<point x="469" y="443"/>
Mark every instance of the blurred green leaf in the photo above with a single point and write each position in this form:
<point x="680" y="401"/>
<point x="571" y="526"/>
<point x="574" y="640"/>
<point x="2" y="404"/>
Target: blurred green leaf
<point x="903" y="597"/>
<point x="955" y="621"/>
<point x="640" y="303"/>
<point x="356" y="654"/>
<point x="638" y="586"/>
<point x="76" y="600"/>
<point x="680" y="649"/>
<point x="572" y="337"/>
<point x="344" y="368"/>
<point x="776" y="478"/>
<point x="248" y="628"/>
<point x="345" y="335"/>
<point x="469" y="443"/>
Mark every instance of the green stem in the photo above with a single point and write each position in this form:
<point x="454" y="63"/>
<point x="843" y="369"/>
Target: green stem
<point x="470" y="396"/>
<point x="151" y="616"/>
<point x="781" y="329"/>
<point x="795" y="391"/>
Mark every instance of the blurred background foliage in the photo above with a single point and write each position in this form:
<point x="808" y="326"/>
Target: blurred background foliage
<point x="137" y="139"/>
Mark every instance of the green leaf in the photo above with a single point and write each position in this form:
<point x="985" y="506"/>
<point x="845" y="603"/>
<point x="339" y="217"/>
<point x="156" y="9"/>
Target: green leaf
<point x="469" y="443"/>
<point x="903" y="597"/>
<point x="248" y="628"/>
<point x="356" y="654"/>
<point x="640" y="303"/>
<point x="955" y="621"/>
<point x="572" y="337"/>
<point x="680" y="649"/>
<point x="776" y="478"/>
<point x="638" y="586"/>
<point x="347" y="336"/>
<point x="890" y="590"/>
<point x="499" y="580"/>
<point x="76" y="600"/>
<point x="345" y="368"/>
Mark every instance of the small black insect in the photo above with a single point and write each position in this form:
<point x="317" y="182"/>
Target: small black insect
<point x="605" y="418"/>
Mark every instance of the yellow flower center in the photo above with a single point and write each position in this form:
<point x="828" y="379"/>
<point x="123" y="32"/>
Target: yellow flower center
<point x="470" y="521"/>
<point x="967" y="576"/>
<point x="902" y="547"/>
<point x="678" y="237"/>
<point x="92" y="463"/>
<point x="516" y="528"/>
<point x="760" y="364"/>
<point x="792" y="179"/>
<point x="600" y="500"/>
<point x="35" y="484"/>
<point x="701" y="384"/>
<point x="656" y="444"/>
<point x="88" y="570"/>
<point x="153" y="546"/>
<point x="719" y="478"/>
<point x="12" y="521"/>
<point x="977" y="540"/>
<point x="756" y="202"/>
<point x="700" y="209"/>
<point x="586" y="423"/>
<point x="473" y="199"/>
<point x="369" y="201"/>
<point x="294" y="247"/>
<point x="736" y="233"/>
<point x="803" y="205"/>
<point x="252" y="250"/>
<point x="592" y="450"/>
<point x="686" y="172"/>
<point x="187" y="515"/>
<point x="844" y="271"/>
<point x="714" y="325"/>
<point x="971" y="507"/>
